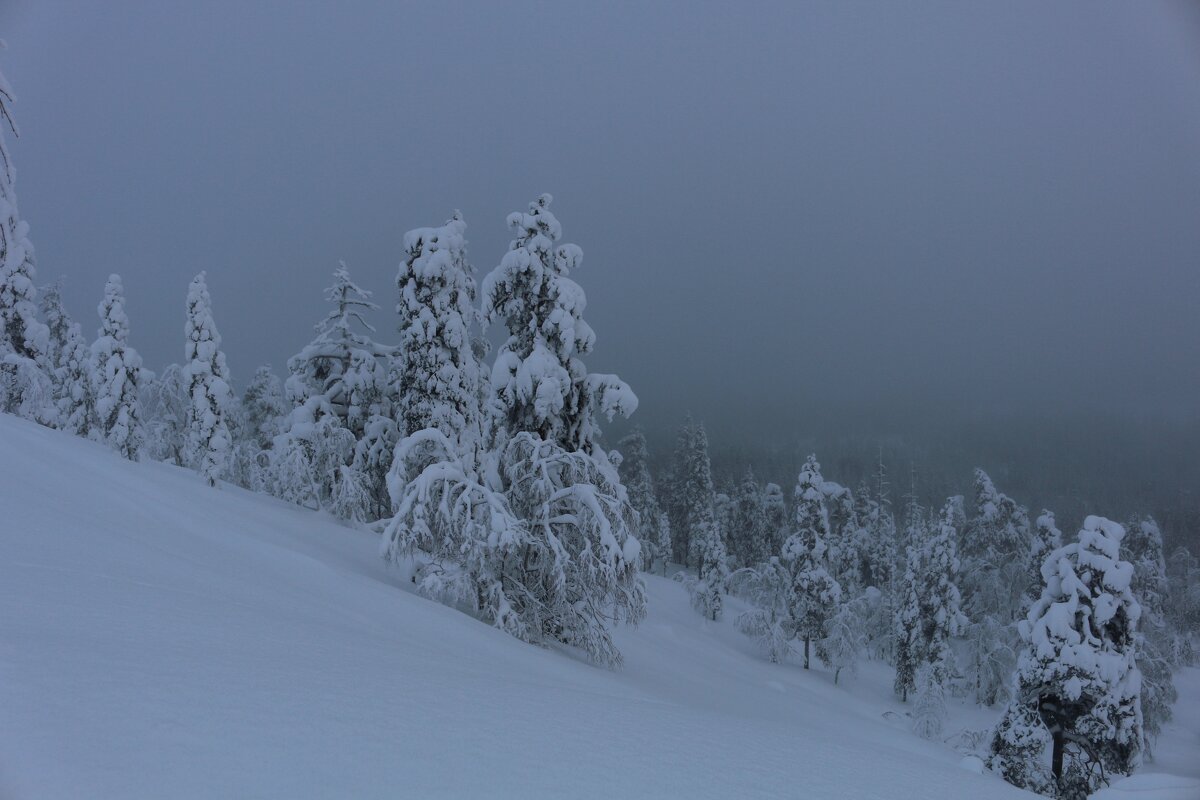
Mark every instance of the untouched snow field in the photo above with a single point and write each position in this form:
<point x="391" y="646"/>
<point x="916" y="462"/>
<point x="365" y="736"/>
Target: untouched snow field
<point x="160" y="639"/>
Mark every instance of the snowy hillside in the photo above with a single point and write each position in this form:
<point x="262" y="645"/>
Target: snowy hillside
<point x="159" y="638"/>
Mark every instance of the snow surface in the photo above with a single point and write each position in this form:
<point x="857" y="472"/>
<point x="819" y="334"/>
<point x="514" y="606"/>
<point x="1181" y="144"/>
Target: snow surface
<point x="162" y="639"/>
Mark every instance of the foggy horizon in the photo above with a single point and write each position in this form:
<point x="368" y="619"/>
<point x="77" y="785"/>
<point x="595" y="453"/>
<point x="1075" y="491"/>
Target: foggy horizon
<point x="838" y="216"/>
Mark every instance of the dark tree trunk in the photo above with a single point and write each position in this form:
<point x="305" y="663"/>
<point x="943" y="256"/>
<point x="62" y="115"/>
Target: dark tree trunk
<point x="806" y="640"/>
<point x="1056" y="761"/>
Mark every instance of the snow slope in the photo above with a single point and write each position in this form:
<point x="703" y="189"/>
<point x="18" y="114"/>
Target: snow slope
<point x="162" y="639"/>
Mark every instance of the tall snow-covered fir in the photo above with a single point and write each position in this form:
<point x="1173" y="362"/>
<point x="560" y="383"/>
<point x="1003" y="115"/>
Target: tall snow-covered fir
<point x="116" y="371"/>
<point x="580" y="565"/>
<point x="209" y="444"/>
<point x="539" y="383"/>
<point x="817" y="593"/>
<point x="750" y="535"/>
<point x="654" y="529"/>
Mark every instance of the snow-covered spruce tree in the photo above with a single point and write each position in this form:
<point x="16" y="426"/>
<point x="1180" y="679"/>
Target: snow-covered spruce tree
<point x="749" y="535"/>
<point x="816" y="592"/>
<point x="578" y="570"/>
<point x="876" y="543"/>
<point x="995" y="551"/>
<point x="451" y="510"/>
<point x="906" y="637"/>
<point x="1183" y="612"/>
<point x="264" y="407"/>
<point x="942" y="618"/>
<point x="436" y="375"/>
<point x="723" y="508"/>
<point x="654" y="531"/>
<point x="883" y="561"/>
<point x="695" y="532"/>
<point x="25" y="386"/>
<point x="1078" y="670"/>
<point x="1155" y="643"/>
<point x="334" y="383"/>
<point x="261" y="412"/>
<point x="706" y="545"/>
<point x="995" y="547"/>
<point x="844" y="538"/>
<point x="539" y="383"/>
<point x="933" y="563"/>
<point x="1046" y="539"/>
<point x="775" y="511"/>
<point x="209" y="444"/>
<point x="115" y="373"/>
<point x="67" y="362"/>
<point x="318" y="369"/>
<point x="164" y="403"/>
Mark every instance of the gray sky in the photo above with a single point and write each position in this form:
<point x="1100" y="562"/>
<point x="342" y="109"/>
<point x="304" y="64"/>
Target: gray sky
<point x="854" y="211"/>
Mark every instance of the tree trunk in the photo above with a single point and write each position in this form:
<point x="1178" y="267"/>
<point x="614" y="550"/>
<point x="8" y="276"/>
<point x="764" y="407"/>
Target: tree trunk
<point x="806" y="640"/>
<point x="1056" y="762"/>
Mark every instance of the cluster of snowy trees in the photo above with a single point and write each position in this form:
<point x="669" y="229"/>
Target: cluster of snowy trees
<point x="1075" y="639"/>
<point x="490" y="485"/>
<point x="489" y="482"/>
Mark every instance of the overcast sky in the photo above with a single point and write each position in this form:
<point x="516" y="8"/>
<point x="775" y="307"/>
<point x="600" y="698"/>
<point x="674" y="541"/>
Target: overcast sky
<point x="850" y="211"/>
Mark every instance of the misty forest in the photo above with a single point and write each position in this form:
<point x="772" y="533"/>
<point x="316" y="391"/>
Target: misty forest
<point x="427" y="552"/>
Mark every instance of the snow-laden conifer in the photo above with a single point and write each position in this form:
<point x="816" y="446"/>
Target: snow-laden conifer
<point x="817" y="593"/>
<point x="319" y="369"/>
<point x="336" y="384"/>
<point x="1078" y="671"/>
<point x="845" y="559"/>
<point x="539" y="383"/>
<point x="209" y="445"/>
<point x="451" y="512"/>
<point x="749" y="535"/>
<point x="580" y="565"/>
<point x="695" y="504"/>
<point x="438" y="382"/>
<point x="1142" y="546"/>
<point x="164" y="403"/>
<point x="25" y="386"/>
<point x="115" y="372"/>
<point x="775" y="511"/>
<point x="996" y="548"/>
<point x="548" y="550"/>
<point x="924" y="632"/>
<point x="67" y="361"/>
<point x="264" y="407"/>
<point x="906" y="637"/>
<point x="654" y="531"/>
